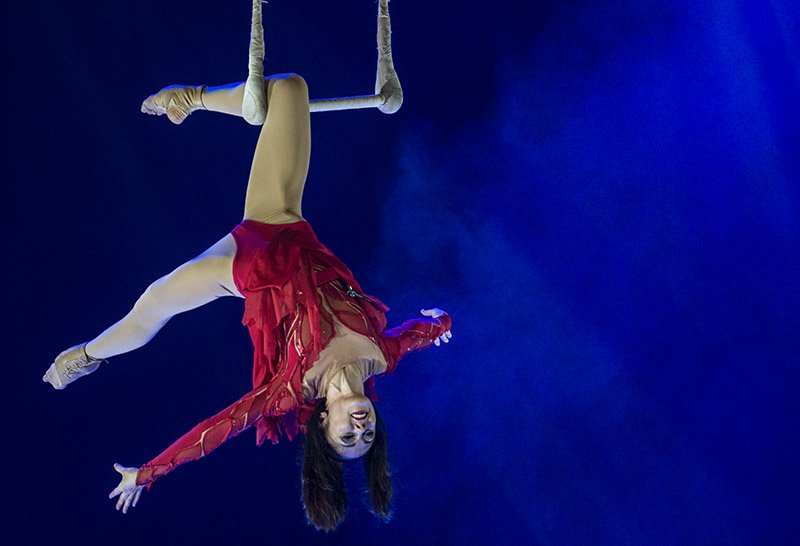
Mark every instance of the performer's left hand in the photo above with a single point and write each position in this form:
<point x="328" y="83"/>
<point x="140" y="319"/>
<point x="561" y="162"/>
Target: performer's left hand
<point x="436" y="313"/>
<point x="127" y="489"/>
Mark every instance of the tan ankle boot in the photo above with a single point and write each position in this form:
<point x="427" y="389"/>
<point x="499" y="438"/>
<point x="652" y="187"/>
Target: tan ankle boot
<point x="70" y="366"/>
<point x="176" y="101"/>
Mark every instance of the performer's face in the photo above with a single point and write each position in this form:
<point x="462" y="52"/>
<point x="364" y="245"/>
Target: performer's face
<point x="349" y="424"/>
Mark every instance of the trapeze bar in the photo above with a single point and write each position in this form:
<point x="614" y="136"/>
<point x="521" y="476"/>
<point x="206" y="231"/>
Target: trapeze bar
<point x="346" y="103"/>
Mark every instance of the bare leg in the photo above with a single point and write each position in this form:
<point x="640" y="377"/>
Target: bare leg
<point x="274" y="195"/>
<point x="226" y="99"/>
<point x="195" y="283"/>
<point x="274" y="192"/>
<point x="201" y="280"/>
<point x="280" y="162"/>
<point x="179" y="101"/>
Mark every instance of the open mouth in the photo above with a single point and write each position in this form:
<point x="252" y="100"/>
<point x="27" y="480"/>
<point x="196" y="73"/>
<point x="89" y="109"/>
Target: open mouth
<point x="359" y="415"/>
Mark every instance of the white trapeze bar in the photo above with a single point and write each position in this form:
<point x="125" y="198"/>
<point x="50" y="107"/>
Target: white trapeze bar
<point x="346" y="103"/>
<point x="388" y="95"/>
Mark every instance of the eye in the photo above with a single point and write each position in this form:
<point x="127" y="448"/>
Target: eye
<point x="369" y="435"/>
<point x="348" y="438"/>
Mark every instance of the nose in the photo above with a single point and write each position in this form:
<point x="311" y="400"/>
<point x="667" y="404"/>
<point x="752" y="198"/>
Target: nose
<point x="359" y="424"/>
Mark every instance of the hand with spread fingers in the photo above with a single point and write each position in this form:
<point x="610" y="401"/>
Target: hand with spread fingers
<point x="127" y="489"/>
<point x="436" y="313"/>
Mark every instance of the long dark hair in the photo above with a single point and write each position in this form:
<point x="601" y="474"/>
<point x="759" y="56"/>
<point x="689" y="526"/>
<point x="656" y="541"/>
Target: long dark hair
<point x="322" y="475"/>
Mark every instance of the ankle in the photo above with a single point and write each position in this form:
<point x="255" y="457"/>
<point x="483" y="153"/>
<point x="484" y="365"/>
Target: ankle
<point x="88" y="354"/>
<point x="200" y="93"/>
<point x="226" y="99"/>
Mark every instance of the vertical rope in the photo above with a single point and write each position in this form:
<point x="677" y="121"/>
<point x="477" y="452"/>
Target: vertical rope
<point x="387" y="84"/>
<point x="254" y="103"/>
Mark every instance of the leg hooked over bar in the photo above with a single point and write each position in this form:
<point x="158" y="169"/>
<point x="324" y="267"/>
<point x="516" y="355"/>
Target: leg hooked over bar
<point x="388" y="95"/>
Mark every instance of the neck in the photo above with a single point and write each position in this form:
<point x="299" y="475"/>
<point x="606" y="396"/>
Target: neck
<point x="346" y="382"/>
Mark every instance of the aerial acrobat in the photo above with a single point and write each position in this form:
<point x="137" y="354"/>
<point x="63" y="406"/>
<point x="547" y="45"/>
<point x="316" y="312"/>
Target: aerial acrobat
<point x="318" y="339"/>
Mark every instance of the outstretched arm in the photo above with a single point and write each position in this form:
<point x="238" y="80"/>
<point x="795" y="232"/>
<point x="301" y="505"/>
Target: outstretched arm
<point x="208" y="435"/>
<point x="417" y="334"/>
<point x="202" y="440"/>
<point x="191" y="285"/>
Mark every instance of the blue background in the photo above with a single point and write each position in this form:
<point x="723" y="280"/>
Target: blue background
<point x="604" y="195"/>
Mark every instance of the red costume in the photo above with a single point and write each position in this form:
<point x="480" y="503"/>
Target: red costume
<point x="283" y="270"/>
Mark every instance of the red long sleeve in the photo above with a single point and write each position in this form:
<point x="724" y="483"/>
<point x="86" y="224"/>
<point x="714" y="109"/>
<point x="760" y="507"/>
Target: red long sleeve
<point x="214" y="431"/>
<point x="411" y="335"/>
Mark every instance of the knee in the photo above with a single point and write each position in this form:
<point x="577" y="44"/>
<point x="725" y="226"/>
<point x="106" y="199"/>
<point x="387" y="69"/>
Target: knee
<point x="147" y="309"/>
<point x="292" y="84"/>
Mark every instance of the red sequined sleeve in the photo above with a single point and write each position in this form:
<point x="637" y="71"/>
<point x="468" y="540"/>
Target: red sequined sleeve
<point x="411" y="335"/>
<point x="214" y="431"/>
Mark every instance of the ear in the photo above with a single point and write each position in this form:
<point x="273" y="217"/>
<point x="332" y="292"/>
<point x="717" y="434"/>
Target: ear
<point x="322" y="416"/>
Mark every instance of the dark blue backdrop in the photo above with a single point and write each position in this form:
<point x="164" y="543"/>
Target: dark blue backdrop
<point x="604" y="195"/>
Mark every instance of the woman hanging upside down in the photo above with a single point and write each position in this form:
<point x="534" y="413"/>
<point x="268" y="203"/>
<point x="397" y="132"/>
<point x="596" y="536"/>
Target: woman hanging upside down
<point x="319" y="340"/>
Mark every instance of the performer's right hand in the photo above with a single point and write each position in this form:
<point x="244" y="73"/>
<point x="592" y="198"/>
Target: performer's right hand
<point x="127" y="489"/>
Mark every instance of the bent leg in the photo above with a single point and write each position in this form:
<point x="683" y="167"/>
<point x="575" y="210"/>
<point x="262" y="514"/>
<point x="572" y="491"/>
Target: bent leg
<point x="195" y="283"/>
<point x="280" y="162"/>
<point x="179" y="101"/>
<point x="225" y="99"/>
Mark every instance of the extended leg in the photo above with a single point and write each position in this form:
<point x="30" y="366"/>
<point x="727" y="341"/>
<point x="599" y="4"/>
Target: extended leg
<point x="195" y="283"/>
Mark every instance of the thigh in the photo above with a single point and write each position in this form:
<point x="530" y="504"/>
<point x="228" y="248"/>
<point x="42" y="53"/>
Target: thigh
<point x="215" y="265"/>
<point x="280" y="162"/>
<point x="199" y="281"/>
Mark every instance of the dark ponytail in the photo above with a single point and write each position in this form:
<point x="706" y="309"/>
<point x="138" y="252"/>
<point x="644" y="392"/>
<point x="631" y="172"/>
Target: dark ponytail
<point x="322" y="478"/>
<point x="322" y="475"/>
<point x="376" y="468"/>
